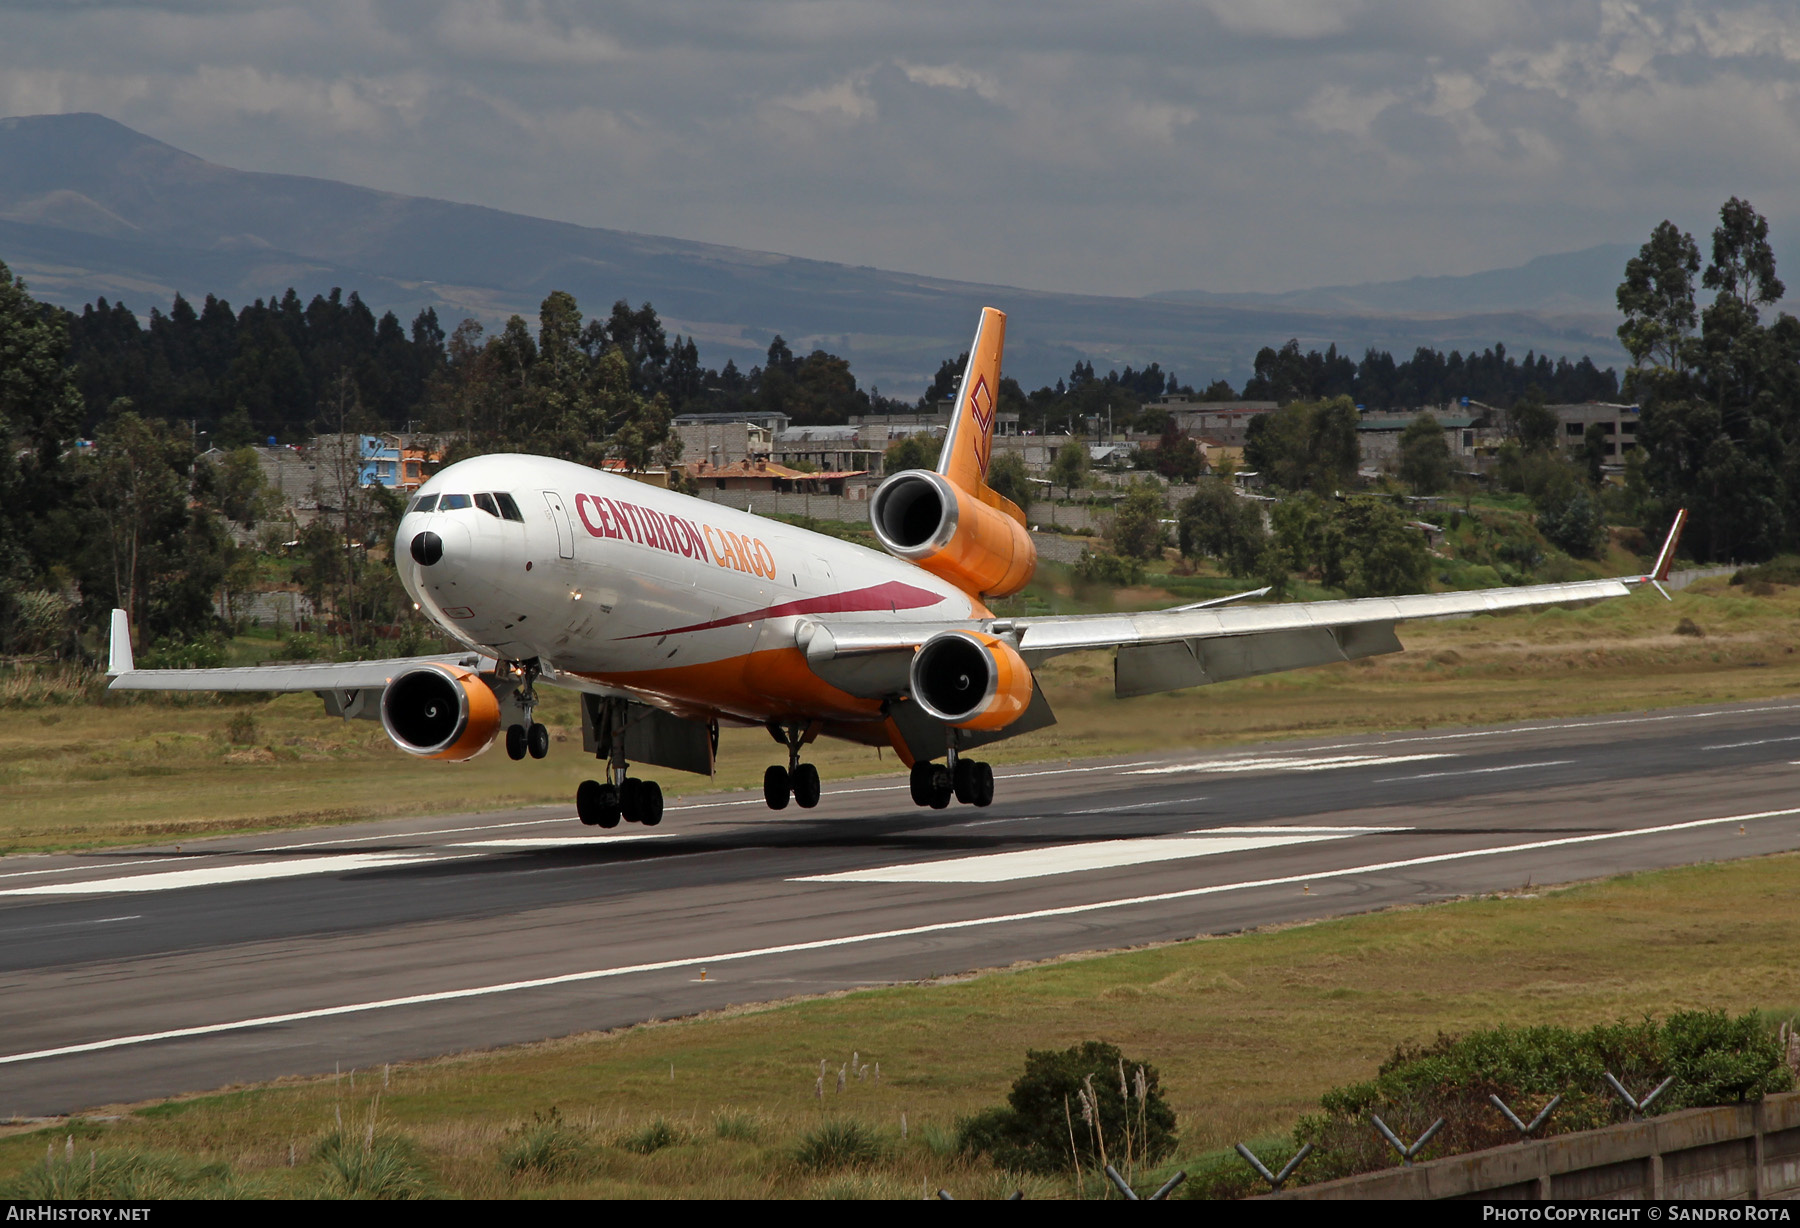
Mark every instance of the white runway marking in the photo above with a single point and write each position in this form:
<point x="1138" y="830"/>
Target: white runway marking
<point x="567" y="842"/>
<point x="212" y="876"/>
<point x="822" y="944"/>
<point x="1757" y="742"/>
<point x="1090" y="855"/>
<point x="1510" y="767"/>
<point x="1284" y="765"/>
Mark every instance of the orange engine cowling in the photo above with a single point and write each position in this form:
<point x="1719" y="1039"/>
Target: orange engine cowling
<point x="440" y="712"/>
<point x="971" y="680"/>
<point x="927" y="519"/>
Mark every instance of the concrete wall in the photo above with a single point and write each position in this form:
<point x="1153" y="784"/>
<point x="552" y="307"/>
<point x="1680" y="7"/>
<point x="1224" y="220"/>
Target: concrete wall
<point x="1733" y="1151"/>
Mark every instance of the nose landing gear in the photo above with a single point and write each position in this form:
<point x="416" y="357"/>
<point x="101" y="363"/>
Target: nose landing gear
<point x="530" y="738"/>
<point x="797" y="780"/>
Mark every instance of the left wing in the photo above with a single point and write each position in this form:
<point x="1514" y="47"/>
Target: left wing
<point x="1166" y="650"/>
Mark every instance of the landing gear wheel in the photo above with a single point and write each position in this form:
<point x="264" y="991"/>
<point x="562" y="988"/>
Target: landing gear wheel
<point x="537" y="741"/>
<point x="805" y="780"/>
<point x="650" y="803"/>
<point x="596" y="804"/>
<point x="515" y="741"/>
<point x="962" y="781"/>
<point x="984" y="785"/>
<point x="942" y="789"/>
<point x="631" y="799"/>
<point x="775" y="787"/>
<point x="920" y="783"/>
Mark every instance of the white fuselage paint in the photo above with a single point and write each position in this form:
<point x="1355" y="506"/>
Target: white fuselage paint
<point x="608" y="577"/>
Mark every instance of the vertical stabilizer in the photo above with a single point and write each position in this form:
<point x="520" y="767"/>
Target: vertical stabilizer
<point x="969" y="445"/>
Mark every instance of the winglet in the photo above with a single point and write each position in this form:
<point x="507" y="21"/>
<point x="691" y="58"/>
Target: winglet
<point x="1666" y="559"/>
<point x="118" y="657"/>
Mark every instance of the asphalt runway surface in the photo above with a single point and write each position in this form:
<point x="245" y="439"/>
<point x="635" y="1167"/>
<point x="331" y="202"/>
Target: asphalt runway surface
<point x="136" y="973"/>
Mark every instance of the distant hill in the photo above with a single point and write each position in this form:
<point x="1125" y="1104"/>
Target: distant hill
<point x="89" y="207"/>
<point x="1581" y="283"/>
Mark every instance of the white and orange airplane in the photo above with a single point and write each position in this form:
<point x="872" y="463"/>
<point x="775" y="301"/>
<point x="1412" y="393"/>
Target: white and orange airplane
<point x="673" y="616"/>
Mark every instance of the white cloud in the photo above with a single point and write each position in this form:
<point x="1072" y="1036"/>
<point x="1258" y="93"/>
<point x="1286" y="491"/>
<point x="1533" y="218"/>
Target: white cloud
<point x="1299" y="19"/>
<point x="951" y="77"/>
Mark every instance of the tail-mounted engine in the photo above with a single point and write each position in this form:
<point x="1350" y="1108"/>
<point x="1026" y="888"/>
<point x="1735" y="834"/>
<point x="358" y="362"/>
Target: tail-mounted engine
<point x="979" y="546"/>
<point x="971" y="680"/>
<point x="440" y="712"/>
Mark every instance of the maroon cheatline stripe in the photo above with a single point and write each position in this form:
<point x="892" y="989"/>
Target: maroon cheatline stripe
<point x="894" y="595"/>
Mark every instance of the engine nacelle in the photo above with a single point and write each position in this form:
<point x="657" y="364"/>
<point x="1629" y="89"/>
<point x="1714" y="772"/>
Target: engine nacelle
<point x="927" y="519"/>
<point x="971" y="680"/>
<point x="440" y="712"/>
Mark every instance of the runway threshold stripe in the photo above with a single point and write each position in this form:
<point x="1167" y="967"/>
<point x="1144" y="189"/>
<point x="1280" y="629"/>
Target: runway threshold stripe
<point x="212" y="876"/>
<point x="822" y="944"/>
<point x="1088" y="855"/>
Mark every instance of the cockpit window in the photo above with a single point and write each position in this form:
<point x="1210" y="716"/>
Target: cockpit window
<point x="424" y="503"/>
<point x="486" y="503"/>
<point x="508" y="509"/>
<point x="452" y="503"/>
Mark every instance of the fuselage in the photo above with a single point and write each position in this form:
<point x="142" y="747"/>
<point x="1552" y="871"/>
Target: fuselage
<point x="689" y="604"/>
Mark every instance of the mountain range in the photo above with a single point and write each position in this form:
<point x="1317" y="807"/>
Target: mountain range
<point x="90" y="207"/>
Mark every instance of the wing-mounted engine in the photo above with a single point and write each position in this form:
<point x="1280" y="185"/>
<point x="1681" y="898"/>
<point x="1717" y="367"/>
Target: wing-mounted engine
<point x="977" y="541"/>
<point x="440" y="712"/>
<point x="971" y="680"/>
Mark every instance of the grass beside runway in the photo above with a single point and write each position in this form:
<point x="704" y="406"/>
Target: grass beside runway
<point x="139" y="768"/>
<point x="1247" y="1031"/>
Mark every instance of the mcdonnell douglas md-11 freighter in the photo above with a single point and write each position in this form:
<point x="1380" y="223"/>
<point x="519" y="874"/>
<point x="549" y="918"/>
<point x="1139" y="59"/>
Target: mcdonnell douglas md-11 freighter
<point x="673" y="616"/>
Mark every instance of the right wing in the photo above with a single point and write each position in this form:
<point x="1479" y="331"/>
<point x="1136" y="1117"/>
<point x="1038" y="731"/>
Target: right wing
<point x="340" y="683"/>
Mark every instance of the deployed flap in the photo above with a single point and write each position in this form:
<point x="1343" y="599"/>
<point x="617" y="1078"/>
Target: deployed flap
<point x="1146" y="669"/>
<point x="651" y="736"/>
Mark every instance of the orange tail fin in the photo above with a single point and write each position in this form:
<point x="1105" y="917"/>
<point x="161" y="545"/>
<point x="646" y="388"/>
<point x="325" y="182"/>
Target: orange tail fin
<point x="969" y="445"/>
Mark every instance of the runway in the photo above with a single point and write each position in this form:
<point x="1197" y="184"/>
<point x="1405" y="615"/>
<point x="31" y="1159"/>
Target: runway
<point x="136" y="973"/>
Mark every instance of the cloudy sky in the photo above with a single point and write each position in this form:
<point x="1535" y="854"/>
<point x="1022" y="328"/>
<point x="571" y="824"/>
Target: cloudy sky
<point x="1136" y="146"/>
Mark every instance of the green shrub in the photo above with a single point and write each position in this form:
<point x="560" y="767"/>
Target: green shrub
<point x="1715" y="1058"/>
<point x="379" y="1166"/>
<point x="1079" y="1102"/>
<point x="545" y="1147"/>
<point x="652" y="1138"/>
<point x="738" y="1127"/>
<point x="839" y="1144"/>
<point x="130" y="1176"/>
<point x="1110" y="569"/>
<point x="177" y="653"/>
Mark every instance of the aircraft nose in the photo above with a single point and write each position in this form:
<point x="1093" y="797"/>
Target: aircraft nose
<point x="427" y="548"/>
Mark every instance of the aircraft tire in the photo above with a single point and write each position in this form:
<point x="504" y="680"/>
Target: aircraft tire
<point x="775" y="787"/>
<point x="962" y="781"/>
<point x="650" y="803"/>
<point x="984" y="785"/>
<point x="920" y="784"/>
<point x="537" y="741"/>
<point x="515" y="741"/>
<point x="942" y="788"/>
<point x="631" y="799"/>
<point x="596" y="805"/>
<point x="806" y="786"/>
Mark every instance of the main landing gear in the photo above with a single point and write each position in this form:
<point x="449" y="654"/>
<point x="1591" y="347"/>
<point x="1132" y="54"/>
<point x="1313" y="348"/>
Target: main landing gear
<point x="604" y="804"/>
<point x="797" y="780"/>
<point x="969" y="782"/>
<point x="530" y="738"/>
